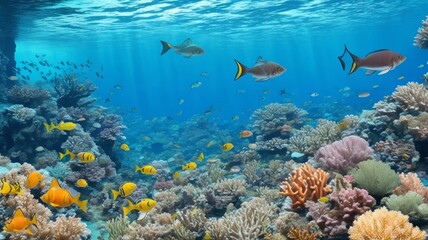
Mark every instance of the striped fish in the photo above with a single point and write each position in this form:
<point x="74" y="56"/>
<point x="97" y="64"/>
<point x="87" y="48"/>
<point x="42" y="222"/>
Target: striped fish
<point x="8" y="188"/>
<point x="86" y="157"/>
<point x="124" y="190"/>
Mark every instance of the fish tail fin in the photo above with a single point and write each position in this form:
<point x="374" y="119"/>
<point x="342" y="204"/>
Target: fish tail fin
<point x="341" y="58"/>
<point x="72" y="155"/>
<point x="183" y="167"/>
<point x="137" y="168"/>
<point x="61" y="155"/>
<point x="82" y="204"/>
<point x="34" y="220"/>
<point x="28" y="231"/>
<point x="242" y="70"/>
<point x="115" y="194"/>
<point x="47" y="127"/>
<point x="130" y="207"/>
<point x="52" y="126"/>
<point x="355" y="61"/>
<point x="165" y="47"/>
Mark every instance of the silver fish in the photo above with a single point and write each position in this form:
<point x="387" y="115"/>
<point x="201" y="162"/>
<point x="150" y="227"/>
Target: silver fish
<point x="383" y="60"/>
<point x="262" y="71"/>
<point x="187" y="48"/>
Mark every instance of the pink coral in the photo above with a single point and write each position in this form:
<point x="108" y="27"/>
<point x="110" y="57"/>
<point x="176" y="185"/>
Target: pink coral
<point x="163" y="185"/>
<point x="411" y="182"/>
<point x="344" y="154"/>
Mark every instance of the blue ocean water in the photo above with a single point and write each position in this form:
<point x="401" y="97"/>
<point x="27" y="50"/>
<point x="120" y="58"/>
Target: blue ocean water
<point x="304" y="36"/>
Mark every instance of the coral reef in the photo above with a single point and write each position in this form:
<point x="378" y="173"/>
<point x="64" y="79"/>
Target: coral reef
<point x="411" y="204"/>
<point x="344" y="154"/>
<point x="421" y="39"/>
<point x="411" y="182"/>
<point x="413" y="96"/>
<point x="402" y="156"/>
<point x="27" y="95"/>
<point x="384" y="224"/>
<point x="70" y="90"/>
<point x="305" y="183"/>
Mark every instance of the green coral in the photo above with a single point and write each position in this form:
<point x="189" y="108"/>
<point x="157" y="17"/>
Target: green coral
<point x="117" y="227"/>
<point x="411" y="204"/>
<point x="376" y="177"/>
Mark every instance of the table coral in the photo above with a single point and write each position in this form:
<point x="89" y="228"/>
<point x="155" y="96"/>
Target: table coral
<point x="306" y="183"/>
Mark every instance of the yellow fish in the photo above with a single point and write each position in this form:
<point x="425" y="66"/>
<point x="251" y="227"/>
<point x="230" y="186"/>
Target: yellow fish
<point x="57" y="196"/>
<point x="145" y="205"/>
<point x="148" y="169"/>
<point x="86" y="157"/>
<point x="7" y="188"/>
<point x="81" y="183"/>
<point x="227" y="147"/>
<point x="33" y="180"/>
<point x="189" y="166"/>
<point x="124" y="147"/>
<point x="63" y="126"/>
<point x="201" y="157"/>
<point x="324" y="199"/>
<point x="124" y="190"/>
<point x="67" y="152"/>
<point x="176" y="175"/>
<point x="207" y="236"/>
<point x="20" y="223"/>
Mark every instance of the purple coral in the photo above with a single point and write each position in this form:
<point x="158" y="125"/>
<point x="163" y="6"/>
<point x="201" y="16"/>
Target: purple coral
<point x="344" y="154"/>
<point x="348" y="205"/>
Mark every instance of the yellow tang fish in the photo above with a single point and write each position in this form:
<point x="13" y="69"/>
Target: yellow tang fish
<point x="189" y="166"/>
<point x="201" y="157"/>
<point x="227" y="147"/>
<point x="176" y="175"/>
<point x="323" y="199"/>
<point x="207" y="236"/>
<point x="33" y="179"/>
<point x="148" y="169"/>
<point x="67" y="152"/>
<point x="57" y="196"/>
<point x="124" y="147"/>
<point x="124" y="190"/>
<point x="86" y="157"/>
<point x="7" y="188"/>
<point x="81" y="183"/>
<point x="20" y="223"/>
<point x="145" y="205"/>
<point x="63" y="126"/>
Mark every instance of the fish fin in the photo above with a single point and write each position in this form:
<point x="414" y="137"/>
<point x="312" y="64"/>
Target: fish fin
<point x="28" y="231"/>
<point x="54" y="184"/>
<point x="260" y="60"/>
<point x="61" y="155"/>
<point x="115" y="194"/>
<point x="384" y="71"/>
<point x="72" y="155"/>
<point x="137" y="168"/>
<point x="380" y="50"/>
<point x="130" y="207"/>
<point x="355" y="62"/>
<point x="52" y="126"/>
<point x="18" y="188"/>
<point x="165" y="47"/>
<point x="186" y="43"/>
<point x="34" y="220"/>
<point x="18" y="213"/>
<point x="262" y="79"/>
<point x="341" y="58"/>
<point x="370" y="72"/>
<point x="242" y="70"/>
<point x="183" y="167"/>
<point x="82" y="204"/>
<point x="47" y="127"/>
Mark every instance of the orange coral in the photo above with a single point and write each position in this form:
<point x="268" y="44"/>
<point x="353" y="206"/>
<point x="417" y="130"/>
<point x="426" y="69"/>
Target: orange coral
<point x="306" y="183"/>
<point x="301" y="234"/>
<point x="411" y="182"/>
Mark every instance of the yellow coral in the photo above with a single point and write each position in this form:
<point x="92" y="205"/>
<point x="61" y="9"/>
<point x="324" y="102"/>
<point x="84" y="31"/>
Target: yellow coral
<point x="306" y="183"/>
<point x="382" y="225"/>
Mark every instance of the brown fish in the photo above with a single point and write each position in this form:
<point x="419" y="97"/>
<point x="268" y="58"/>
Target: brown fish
<point x="383" y="60"/>
<point x="262" y="71"/>
<point x="187" y="48"/>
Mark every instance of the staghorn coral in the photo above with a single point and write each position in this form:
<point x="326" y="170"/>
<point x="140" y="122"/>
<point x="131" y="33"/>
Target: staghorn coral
<point x="305" y="183"/>
<point x="376" y="177"/>
<point x="246" y="155"/>
<point x="411" y="182"/>
<point x="67" y="228"/>
<point x="421" y="39"/>
<point x="267" y="193"/>
<point x="166" y="200"/>
<point x="413" y="96"/>
<point x="182" y="233"/>
<point x="301" y="234"/>
<point x="272" y="145"/>
<point x="149" y="231"/>
<point x="384" y="224"/>
<point x="287" y="220"/>
<point x="250" y="171"/>
<point x="193" y="220"/>
<point x="344" y="154"/>
<point x="27" y="95"/>
<point x="215" y="172"/>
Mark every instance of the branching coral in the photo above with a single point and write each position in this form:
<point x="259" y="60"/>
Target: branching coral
<point x="413" y="96"/>
<point x="193" y="220"/>
<point x="384" y="224"/>
<point x="411" y="182"/>
<point x="302" y="234"/>
<point x="418" y="126"/>
<point x="250" y="171"/>
<point x="421" y="39"/>
<point x="117" y="227"/>
<point x="305" y="183"/>
<point x="19" y="114"/>
<point x="166" y="200"/>
<point x="70" y="90"/>
<point x="231" y="187"/>
<point x="344" y="154"/>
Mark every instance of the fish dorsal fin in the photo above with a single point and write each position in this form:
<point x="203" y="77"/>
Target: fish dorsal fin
<point x="18" y="213"/>
<point x="3" y="180"/>
<point x="185" y="44"/>
<point x="54" y="184"/>
<point x="260" y="60"/>
<point x="380" y="50"/>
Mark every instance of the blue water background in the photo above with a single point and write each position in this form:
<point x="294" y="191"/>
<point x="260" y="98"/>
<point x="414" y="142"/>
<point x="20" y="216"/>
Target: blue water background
<point x="304" y="36"/>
